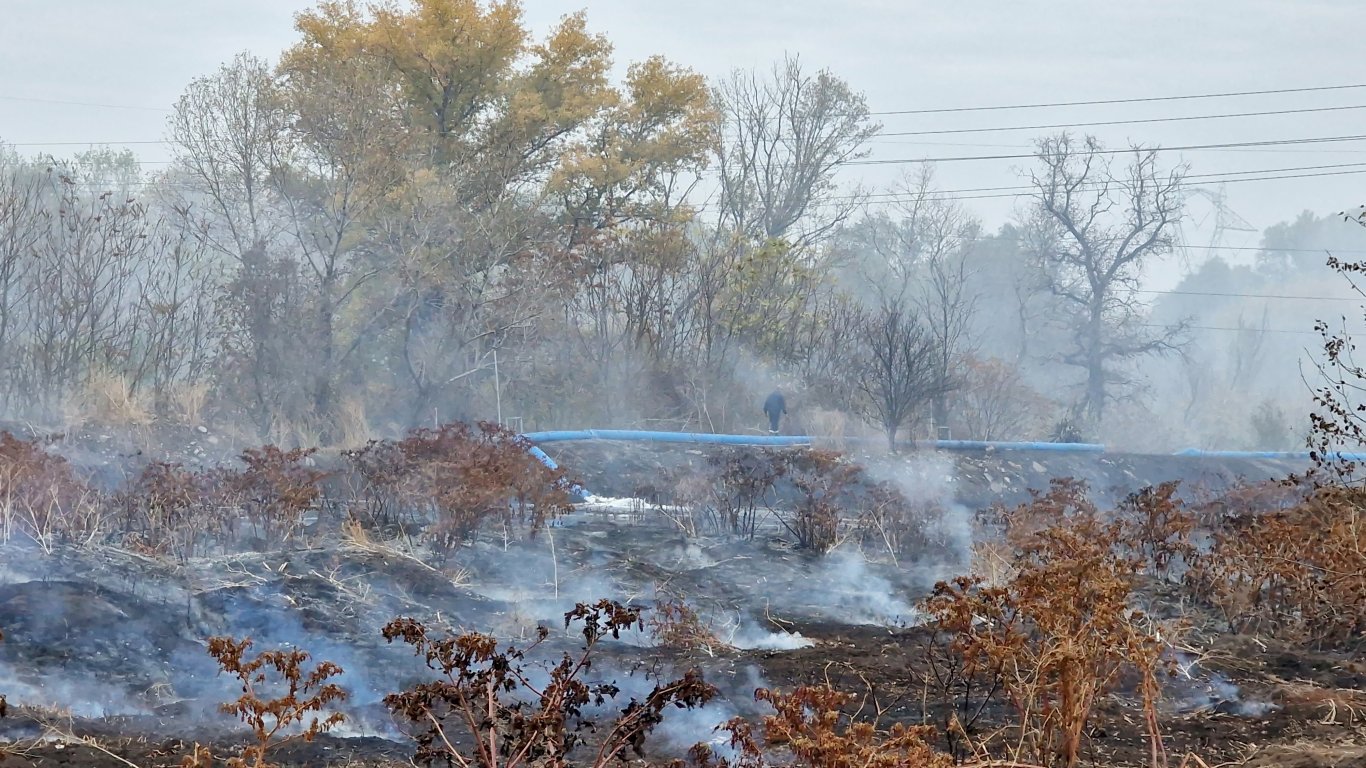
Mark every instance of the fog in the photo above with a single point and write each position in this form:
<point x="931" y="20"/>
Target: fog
<point x="247" y="296"/>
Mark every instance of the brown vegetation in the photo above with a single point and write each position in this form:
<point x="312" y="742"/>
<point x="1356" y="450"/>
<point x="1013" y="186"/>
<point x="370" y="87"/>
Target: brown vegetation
<point x="484" y="710"/>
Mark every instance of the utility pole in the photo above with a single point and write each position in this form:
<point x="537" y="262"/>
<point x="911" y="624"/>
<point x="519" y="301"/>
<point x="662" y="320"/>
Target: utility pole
<point x="497" y="386"/>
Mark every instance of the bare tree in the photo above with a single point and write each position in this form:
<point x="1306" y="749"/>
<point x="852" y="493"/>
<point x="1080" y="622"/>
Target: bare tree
<point x="932" y="266"/>
<point x="784" y="136"/>
<point x="1102" y="226"/>
<point x="894" y="367"/>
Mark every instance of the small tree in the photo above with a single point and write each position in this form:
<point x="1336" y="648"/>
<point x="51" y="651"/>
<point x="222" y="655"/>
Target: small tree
<point x="894" y="367"/>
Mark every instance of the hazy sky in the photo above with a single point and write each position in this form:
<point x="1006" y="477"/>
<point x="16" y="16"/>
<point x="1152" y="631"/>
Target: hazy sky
<point x="904" y="54"/>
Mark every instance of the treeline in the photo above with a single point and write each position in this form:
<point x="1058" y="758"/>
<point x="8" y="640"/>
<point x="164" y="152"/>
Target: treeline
<point x="422" y="213"/>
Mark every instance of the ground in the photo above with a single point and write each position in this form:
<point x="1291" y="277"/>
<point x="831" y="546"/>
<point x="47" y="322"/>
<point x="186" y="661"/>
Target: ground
<point x="110" y="645"/>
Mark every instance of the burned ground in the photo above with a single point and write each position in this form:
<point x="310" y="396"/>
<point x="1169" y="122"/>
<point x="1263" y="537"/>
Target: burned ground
<point x="109" y="644"/>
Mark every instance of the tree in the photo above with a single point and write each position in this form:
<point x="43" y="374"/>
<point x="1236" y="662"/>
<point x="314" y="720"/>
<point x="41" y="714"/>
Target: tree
<point x="926" y="257"/>
<point x="994" y="402"/>
<point x="894" y="367"/>
<point x="784" y="136"/>
<point x="1097" y="227"/>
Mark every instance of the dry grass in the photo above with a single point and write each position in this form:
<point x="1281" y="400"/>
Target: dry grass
<point x="188" y="402"/>
<point x="109" y="398"/>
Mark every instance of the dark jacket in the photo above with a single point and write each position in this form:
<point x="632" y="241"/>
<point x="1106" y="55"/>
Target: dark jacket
<point x="775" y="404"/>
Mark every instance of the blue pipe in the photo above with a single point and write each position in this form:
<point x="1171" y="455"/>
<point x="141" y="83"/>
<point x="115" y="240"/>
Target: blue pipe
<point x="1302" y="455"/>
<point x="992" y="445"/>
<point x="578" y="492"/>
<point x="664" y="437"/>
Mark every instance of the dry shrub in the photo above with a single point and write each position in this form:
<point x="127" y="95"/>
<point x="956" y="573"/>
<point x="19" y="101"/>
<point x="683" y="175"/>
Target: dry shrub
<point x="891" y="522"/>
<point x="1054" y="638"/>
<point x="744" y="481"/>
<point x="172" y="511"/>
<point x="674" y="624"/>
<point x="1298" y="573"/>
<point x="275" y="490"/>
<point x="42" y="498"/>
<point x="483" y="710"/>
<point x="188" y="401"/>
<point x="305" y="694"/>
<point x="109" y="398"/>
<point x="823" y="480"/>
<point x="458" y="478"/>
<point x="811" y="725"/>
<point x="1158" y="527"/>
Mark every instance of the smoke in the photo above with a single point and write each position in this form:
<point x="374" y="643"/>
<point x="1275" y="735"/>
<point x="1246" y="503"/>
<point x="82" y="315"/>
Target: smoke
<point x="1195" y="689"/>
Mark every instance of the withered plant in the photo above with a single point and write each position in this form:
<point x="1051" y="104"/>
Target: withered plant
<point x="484" y="709"/>
<point x="674" y="624"/>
<point x="822" y="479"/>
<point x="1158" y="527"/>
<point x="276" y="489"/>
<point x="1297" y="573"/>
<point x="745" y="481"/>
<point x="172" y="511"/>
<point x="1053" y="639"/>
<point x="302" y="695"/>
<point x="41" y="497"/>
<point x="813" y="726"/>
<point x="890" y="522"/>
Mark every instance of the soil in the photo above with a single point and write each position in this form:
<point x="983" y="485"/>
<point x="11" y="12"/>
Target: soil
<point x="109" y="646"/>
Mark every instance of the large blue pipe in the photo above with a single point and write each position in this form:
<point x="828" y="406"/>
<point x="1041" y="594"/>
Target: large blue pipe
<point x="1278" y="455"/>
<point x="664" y="437"/>
<point x="992" y="445"/>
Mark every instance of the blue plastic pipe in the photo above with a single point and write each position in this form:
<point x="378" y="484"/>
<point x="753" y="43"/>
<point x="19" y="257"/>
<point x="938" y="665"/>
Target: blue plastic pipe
<point x="664" y="437"/>
<point x="991" y="445"/>
<point x="1303" y="455"/>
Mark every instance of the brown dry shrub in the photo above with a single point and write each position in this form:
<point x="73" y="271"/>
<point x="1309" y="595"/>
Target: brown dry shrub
<point x="275" y="490"/>
<point x="305" y="695"/>
<point x="743" y="484"/>
<point x="890" y="522"/>
<point x="812" y="726"/>
<point x="674" y="624"/>
<point x="458" y="478"/>
<point x="1298" y="573"/>
<point x="482" y="709"/>
<point x="822" y="479"/>
<point x="1054" y="639"/>
<point x="42" y="498"/>
<point x="172" y="511"/>
<point x="1158" y="527"/>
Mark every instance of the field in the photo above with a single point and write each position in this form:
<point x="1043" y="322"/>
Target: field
<point x="1123" y="620"/>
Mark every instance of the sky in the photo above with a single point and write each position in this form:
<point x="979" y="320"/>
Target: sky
<point x="128" y="62"/>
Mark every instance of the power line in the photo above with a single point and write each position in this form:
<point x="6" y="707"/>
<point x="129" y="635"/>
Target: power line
<point x="903" y="196"/>
<point x="1174" y="292"/>
<point x="79" y="143"/>
<point x="1049" y="105"/>
<point x="35" y="100"/>
<point x="1021" y="194"/>
<point x="1184" y="118"/>
<point x="1270" y="143"/>
<point x="1245" y="329"/>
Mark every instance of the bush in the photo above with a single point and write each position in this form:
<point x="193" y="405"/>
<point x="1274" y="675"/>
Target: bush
<point x="1297" y="573"/>
<point x="306" y="693"/>
<point x="42" y="498"/>
<point x="823" y="480"/>
<point x="811" y="725"/>
<point x="1056" y="636"/>
<point x="170" y="510"/>
<point x="459" y="478"/>
<point x="483" y="710"/>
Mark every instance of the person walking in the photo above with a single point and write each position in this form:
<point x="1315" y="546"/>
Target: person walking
<point x="775" y="407"/>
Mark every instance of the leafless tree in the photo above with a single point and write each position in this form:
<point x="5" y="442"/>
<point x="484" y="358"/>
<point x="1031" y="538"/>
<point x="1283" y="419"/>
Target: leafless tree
<point x="894" y="367"/>
<point x="932" y="266"/>
<point x="1103" y="225"/>
<point x="784" y="137"/>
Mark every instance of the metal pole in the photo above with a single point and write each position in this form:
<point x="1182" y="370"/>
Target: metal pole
<point x="497" y="387"/>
